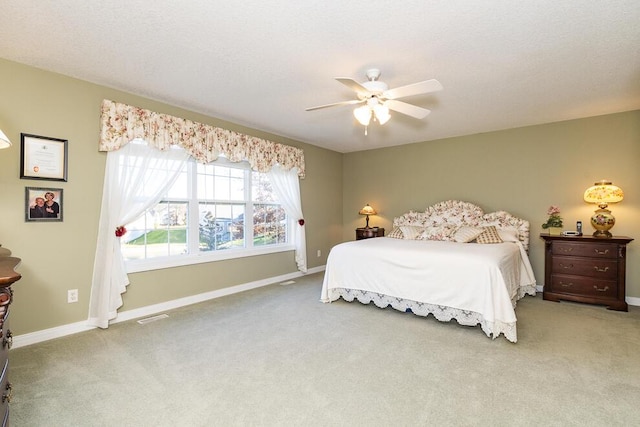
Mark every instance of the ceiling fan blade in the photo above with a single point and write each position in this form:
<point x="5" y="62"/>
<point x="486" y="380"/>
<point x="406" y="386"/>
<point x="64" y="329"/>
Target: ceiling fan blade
<point x="408" y="109"/>
<point x="413" y="89"/>
<point x="353" y="85"/>
<point x="354" y="101"/>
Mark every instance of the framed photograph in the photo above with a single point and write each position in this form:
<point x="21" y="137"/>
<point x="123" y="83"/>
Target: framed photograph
<point x="43" y="158"/>
<point x="43" y="204"/>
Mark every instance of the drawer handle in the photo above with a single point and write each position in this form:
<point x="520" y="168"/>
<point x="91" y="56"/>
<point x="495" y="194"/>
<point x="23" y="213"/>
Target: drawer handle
<point x="6" y="397"/>
<point x="566" y="267"/>
<point x="601" y="270"/>
<point x="606" y="251"/>
<point x="605" y="289"/>
<point x="566" y="285"/>
<point x="7" y="342"/>
<point x="566" y="249"/>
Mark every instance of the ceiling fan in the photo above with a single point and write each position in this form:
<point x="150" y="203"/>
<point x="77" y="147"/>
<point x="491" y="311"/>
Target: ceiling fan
<point x="378" y="99"/>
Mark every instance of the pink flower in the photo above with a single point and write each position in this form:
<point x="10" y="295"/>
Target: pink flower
<point x="553" y="210"/>
<point x="554" y="217"/>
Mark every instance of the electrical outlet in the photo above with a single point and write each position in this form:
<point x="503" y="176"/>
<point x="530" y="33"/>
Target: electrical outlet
<point x="319" y="253"/>
<point x="72" y="295"/>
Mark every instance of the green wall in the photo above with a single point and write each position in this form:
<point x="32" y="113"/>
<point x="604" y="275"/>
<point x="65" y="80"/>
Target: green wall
<point x="59" y="256"/>
<point x="522" y="171"/>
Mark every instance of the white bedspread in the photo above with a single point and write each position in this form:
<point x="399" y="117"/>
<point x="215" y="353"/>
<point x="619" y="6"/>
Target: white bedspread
<point x="474" y="283"/>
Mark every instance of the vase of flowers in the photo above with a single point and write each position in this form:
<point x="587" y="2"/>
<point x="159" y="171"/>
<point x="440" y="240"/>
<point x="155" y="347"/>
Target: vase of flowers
<point x="554" y="223"/>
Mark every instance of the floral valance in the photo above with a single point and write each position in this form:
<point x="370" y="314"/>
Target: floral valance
<point x="121" y="123"/>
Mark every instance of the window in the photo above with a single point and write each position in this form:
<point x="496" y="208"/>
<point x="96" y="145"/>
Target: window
<point x="215" y="211"/>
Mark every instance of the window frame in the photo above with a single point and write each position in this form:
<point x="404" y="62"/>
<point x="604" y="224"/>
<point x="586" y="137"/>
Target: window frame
<point x="195" y="256"/>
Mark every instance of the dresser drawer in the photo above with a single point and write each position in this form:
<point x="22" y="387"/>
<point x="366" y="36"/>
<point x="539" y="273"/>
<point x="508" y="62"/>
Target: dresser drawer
<point x="586" y="269"/>
<point x="594" y="250"/>
<point x="6" y="340"/>
<point x="8" y="276"/>
<point x="5" y="392"/>
<point x="584" y="286"/>
<point x="605" y="269"/>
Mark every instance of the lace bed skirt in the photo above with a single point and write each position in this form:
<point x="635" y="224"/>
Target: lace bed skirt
<point x="440" y="312"/>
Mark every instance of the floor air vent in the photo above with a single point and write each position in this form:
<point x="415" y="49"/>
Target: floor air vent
<point x="152" y="319"/>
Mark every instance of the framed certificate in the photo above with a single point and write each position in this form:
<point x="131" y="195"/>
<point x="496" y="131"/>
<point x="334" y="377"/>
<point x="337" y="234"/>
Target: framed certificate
<point x="42" y="157"/>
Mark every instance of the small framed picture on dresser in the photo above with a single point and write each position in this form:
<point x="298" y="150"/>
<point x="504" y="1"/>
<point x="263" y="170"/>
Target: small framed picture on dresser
<point x="43" y="204"/>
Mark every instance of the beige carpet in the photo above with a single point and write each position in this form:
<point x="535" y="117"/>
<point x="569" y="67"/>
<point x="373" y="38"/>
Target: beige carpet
<point x="276" y="356"/>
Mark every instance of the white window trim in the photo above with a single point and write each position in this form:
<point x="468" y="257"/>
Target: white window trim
<point x="135" y="266"/>
<point x="158" y="263"/>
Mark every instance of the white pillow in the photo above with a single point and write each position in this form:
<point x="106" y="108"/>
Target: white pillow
<point x="466" y="234"/>
<point x="508" y="234"/>
<point x="410" y="232"/>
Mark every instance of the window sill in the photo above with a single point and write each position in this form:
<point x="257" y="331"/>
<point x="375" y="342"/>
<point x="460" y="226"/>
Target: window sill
<point x="182" y="260"/>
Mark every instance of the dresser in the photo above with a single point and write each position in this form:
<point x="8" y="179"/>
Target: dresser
<point x="8" y="276"/>
<point x="586" y="269"/>
<point x="367" y="233"/>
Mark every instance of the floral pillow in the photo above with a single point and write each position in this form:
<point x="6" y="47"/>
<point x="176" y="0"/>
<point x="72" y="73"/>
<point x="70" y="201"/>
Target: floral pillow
<point x="489" y="235"/>
<point x="441" y="232"/>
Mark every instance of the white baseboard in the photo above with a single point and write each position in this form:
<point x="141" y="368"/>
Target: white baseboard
<point x="632" y="301"/>
<point x="74" y="328"/>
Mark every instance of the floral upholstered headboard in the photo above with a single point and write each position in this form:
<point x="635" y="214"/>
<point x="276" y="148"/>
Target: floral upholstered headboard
<point x="452" y="218"/>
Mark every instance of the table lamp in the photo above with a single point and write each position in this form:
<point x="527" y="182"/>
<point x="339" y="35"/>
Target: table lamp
<point x="602" y="193"/>
<point x="4" y="141"/>
<point x="367" y="210"/>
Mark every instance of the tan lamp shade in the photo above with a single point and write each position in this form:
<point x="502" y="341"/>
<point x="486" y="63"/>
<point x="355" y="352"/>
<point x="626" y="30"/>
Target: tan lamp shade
<point x="602" y="193"/>
<point x="367" y="210"/>
<point x="4" y="141"/>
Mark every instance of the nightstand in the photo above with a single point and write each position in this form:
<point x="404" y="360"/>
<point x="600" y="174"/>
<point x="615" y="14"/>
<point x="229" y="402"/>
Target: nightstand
<point x="367" y="233"/>
<point x="586" y="269"/>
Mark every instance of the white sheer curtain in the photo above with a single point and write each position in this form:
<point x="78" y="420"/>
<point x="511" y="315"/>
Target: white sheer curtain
<point x="136" y="178"/>
<point x="287" y="187"/>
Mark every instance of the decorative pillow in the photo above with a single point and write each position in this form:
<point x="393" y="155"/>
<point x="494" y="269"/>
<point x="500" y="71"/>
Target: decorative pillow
<point x="441" y="232"/>
<point x="396" y="233"/>
<point x="508" y="234"/>
<point x="466" y="234"/>
<point x="489" y="235"/>
<point x="410" y="232"/>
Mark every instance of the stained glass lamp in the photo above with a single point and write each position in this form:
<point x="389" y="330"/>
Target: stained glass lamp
<point x="367" y="210"/>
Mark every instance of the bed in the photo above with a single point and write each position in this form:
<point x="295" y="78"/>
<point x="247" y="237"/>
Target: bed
<point x="452" y="261"/>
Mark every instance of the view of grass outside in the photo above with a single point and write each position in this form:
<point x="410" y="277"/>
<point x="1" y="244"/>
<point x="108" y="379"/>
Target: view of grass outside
<point x="221" y="223"/>
<point x="157" y="242"/>
<point x="177" y="235"/>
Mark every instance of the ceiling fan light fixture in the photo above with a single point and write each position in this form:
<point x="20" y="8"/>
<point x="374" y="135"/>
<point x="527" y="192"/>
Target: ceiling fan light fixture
<point x="378" y="99"/>
<point x="376" y="87"/>
<point x="382" y="113"/>
<point x="363" y="115"/>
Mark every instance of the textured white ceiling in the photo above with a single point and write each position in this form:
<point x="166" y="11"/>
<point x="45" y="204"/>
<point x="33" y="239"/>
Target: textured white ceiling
<point x="502" y="63"/>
